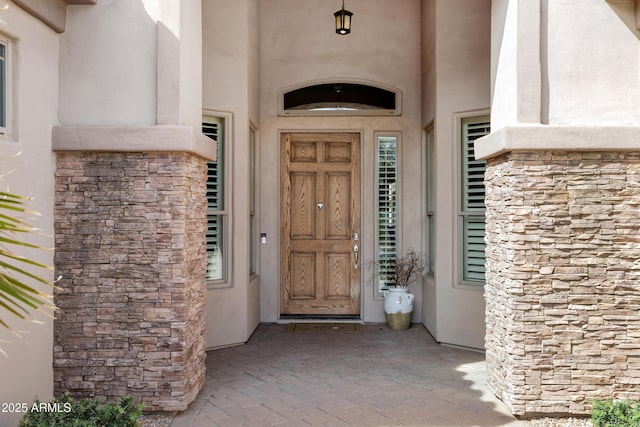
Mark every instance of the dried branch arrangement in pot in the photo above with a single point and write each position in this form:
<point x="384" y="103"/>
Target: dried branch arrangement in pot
<point x="407" y="269"/>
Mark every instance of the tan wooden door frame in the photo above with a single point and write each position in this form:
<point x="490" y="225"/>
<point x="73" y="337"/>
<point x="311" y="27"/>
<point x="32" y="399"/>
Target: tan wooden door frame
<point x="320" y="223"/>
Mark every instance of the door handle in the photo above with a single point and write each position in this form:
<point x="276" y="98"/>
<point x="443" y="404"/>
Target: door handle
<point x="356" y="250"/>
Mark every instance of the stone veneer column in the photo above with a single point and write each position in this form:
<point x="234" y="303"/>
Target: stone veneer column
<point x="130" y="248"/>
<point x="563" y="278"/>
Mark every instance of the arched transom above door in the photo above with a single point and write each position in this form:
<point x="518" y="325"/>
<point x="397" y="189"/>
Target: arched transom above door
<point x="339" y="98"/>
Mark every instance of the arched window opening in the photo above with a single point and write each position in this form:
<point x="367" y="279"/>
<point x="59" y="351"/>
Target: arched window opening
<point x="340" y="99"/>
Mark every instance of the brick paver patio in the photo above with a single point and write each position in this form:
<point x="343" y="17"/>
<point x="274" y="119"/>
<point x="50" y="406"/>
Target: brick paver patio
<point x="375" y="378"/>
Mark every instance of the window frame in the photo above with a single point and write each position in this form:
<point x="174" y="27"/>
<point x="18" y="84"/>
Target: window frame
<point x="225" y="213"/>
<point x="430" y="197"/>
<point x="398" y="198"/>
<point x="397" y="111"/>
<point x="253" y="225"/>
<point x="6" y="95"/>
<point x="462" y="214"/>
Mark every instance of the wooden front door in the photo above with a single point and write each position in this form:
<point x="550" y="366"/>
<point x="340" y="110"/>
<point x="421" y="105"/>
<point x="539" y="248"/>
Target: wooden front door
<point x="320" y="224"/>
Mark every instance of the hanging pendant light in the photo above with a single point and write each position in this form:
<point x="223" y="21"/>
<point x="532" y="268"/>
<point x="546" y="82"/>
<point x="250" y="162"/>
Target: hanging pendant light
<point x="343" y="21"/>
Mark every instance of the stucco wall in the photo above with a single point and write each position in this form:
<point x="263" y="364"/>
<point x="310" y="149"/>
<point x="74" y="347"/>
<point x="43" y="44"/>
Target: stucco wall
<point x="190" y="77"/>
<point x="230" y="82"/>
<point x="299" y="46"/>
<point x="26" y="369"/>
<point x="108" y="77"/>
<point x="428" y="67"/>
<point x="547" y="71"/>
<point x="591" y="71"/>
<point x="132" y="63"/>
<point x="457" y="60"/>
<point x="428" y="60"/>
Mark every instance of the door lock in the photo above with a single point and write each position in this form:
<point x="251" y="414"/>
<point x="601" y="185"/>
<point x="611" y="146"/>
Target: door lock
<point x="356" y="250"/>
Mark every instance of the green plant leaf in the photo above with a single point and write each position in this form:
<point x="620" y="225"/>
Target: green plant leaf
<point x="21" y="271"/>
<point x="10" y="309"/>
<point x="17" y="296"/>
<point x="87" y="412"/>
<point x="610" y="413"/>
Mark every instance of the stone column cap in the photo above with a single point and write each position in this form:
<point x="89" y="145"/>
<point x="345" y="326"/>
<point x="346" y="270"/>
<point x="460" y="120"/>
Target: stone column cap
<point x="538" y="137"/>
<point x="133" y="139"/>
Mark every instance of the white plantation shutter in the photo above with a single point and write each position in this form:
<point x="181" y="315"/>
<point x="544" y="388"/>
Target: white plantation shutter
<point x="215" y="176"/>
<point x="472" y="169"/>
<point x="473" y="194"/>
<point x="213" y="128"/>
<point x="474" y="248"/>
<point x="387" y="206"/>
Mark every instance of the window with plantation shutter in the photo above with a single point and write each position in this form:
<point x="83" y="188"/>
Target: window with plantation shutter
<point x="430" y="174"/>
<point x="213" y="127"/>
<point x="387" y="206"/>
<point x="5" y="85"/>
<point x="472" y="202"/>
<point x="253" y="245"/>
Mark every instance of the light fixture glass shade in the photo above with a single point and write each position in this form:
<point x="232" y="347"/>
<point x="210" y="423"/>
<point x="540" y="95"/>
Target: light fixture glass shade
<point x="343" y="21"/>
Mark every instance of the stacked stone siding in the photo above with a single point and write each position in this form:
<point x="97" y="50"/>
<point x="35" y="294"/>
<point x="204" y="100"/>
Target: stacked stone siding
<point x="563" y="279"/>
<point x="130" y="249"/>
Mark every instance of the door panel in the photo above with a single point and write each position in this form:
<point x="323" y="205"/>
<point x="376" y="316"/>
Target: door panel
<point x="338" y="209"/>
<point x="303" y="272"/>
<point x="303" y="185"/>
<point x="320" y="212"/>
<point x="338" y="275"/>
<point x="303" y="151"/>
<point x="338" y="152"/>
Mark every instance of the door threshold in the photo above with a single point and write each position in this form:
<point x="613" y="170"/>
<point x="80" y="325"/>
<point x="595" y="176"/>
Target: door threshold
<point x="319" y="318"/>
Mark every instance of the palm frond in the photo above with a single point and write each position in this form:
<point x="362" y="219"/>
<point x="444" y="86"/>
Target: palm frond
<point x="18" y="242"/>
<point x="17" y="296"/>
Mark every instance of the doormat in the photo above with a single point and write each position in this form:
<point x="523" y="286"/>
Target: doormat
<point x="324" y="328"/>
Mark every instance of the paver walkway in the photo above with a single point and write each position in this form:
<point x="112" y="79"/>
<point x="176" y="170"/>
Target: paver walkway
<point x="375" y="378"/>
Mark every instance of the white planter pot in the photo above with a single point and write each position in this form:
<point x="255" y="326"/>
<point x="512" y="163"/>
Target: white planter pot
<point x="398" y="308"/>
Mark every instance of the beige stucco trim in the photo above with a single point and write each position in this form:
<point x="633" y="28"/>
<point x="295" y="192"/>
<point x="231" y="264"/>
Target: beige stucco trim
<point x="636" y="5"/>
<point x="516" y="69"/>
<point x="133" y="139"/>
<point x="51" y="12"/>
<point x="560" y="137"/>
